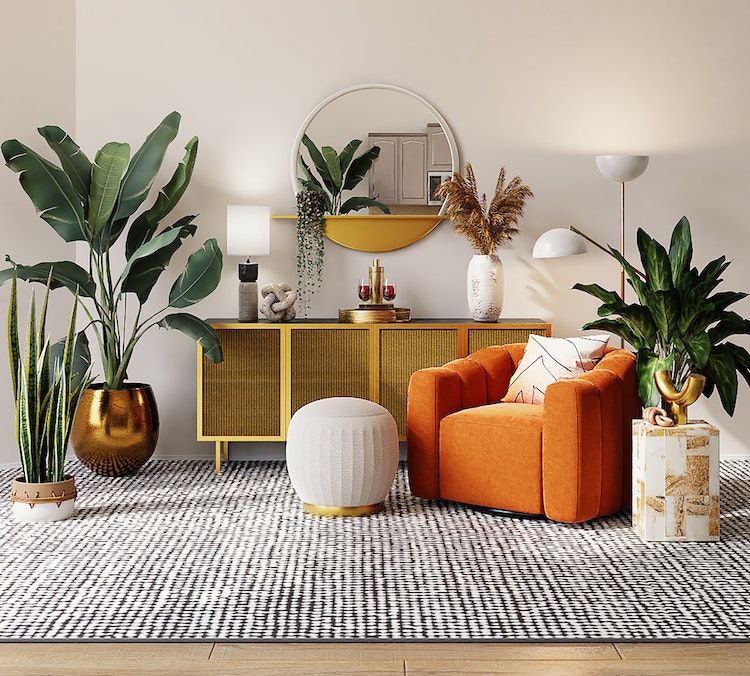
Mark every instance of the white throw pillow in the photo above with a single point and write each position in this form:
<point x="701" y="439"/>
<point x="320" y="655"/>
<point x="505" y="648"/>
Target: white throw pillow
<point x="547" y="360"/>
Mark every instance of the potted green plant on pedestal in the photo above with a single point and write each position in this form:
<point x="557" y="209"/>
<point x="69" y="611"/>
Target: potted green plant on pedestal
<point x="97" y="203"/>
<point x="48" y="381"/>
<point x="679" y="326"/>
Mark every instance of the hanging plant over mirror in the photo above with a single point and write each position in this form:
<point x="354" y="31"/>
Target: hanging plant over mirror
<point x="311" y="205"/>
<point x="338" y="173"/>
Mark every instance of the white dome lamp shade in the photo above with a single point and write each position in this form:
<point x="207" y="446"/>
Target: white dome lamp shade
<point x="558" y="242"/>
<point x="622" y="168"/>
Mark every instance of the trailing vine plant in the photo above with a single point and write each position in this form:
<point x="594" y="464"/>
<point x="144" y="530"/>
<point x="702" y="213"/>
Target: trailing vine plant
<point x="311" y="207"/>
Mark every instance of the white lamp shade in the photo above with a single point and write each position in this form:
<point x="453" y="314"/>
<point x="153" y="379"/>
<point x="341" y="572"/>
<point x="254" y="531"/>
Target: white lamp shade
<point x="558" y="242"/>
<point x="248" y="230"/>
<point x="622" y="168"/>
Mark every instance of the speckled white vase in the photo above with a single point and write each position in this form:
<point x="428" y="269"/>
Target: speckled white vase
<point x="485" y="287"/>
<point x="342" y="456"/>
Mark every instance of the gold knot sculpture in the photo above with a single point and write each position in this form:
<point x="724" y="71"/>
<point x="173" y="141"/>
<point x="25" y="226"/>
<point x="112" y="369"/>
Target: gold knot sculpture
<point x="679" y="400"/>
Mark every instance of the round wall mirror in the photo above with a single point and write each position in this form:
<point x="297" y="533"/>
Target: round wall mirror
<point x="417" y="152"/>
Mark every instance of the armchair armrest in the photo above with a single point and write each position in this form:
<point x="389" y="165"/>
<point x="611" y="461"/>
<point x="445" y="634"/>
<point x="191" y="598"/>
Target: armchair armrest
<point x="582" y="447"/>
<point x="435" y="393"/>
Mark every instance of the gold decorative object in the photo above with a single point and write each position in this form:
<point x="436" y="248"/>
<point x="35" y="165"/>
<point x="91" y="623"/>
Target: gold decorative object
<point x="363" y="510"/>
<point x="115" y="431"/>
<point x="679" y="400"/>
<point x="372" y="314"/>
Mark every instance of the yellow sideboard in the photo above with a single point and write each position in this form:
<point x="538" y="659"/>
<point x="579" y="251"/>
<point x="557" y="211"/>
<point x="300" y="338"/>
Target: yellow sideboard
<point x="272" y="369"/>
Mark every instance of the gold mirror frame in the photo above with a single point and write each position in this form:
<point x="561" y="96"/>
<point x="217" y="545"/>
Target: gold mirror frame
<point x="381" y="232"/>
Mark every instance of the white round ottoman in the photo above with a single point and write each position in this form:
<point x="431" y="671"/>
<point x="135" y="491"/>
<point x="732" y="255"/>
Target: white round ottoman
<point x="342" y="456"/>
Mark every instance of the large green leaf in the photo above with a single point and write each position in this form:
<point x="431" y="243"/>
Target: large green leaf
<point x="145" y="271"/>
<point x="198" y="330"/>
<point x="722" y="300"/>
<point x="199" y="278"/>
<point x="347" y="154"/>
<point x="646" y="365"/>
<point x="72" y="159"/>
<point x="64" y="273"/>
<point x="319" y="162"/>
<point x="656" y="263"/>
<point x="723" y="371"/>
<point x="149" y="248"/>
<point x="144" y="227"/>
<point x="334" y="166"/>
<point x="145" y="165"/>
<point x="729" y="324"/>
<point x="14" y="346"/>
<point x="356" y="203"/>
<point x="680" y="249"/>
<point x="359" y="167"/>
<point x="106" y="174"/>
<point x="618" y="327"/>
<point x="50" y="190"/>
<point x="699" y="348"/>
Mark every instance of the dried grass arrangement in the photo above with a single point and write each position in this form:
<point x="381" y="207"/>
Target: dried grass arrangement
<point x="485" y="228"/>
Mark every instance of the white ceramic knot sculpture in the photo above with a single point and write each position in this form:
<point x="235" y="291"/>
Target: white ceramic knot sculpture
<point x="278" y="302"/>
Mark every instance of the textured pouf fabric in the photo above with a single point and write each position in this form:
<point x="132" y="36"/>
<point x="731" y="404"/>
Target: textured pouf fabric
<point x="342" y="456"/>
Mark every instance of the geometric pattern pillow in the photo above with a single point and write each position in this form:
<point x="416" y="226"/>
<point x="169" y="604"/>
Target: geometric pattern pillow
<point x="547" y="360"/>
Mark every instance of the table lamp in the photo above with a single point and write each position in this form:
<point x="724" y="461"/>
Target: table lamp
<point x="248" y="234"/>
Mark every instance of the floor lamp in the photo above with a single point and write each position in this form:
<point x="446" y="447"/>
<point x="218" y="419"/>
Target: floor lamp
<point x="622" y="168"/>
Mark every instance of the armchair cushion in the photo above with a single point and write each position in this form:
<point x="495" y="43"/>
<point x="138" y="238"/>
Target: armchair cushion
<point x="547" y="360"/>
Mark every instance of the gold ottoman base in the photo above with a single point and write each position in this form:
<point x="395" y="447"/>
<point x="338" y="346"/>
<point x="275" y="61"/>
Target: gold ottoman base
<point x="363" y="510"/>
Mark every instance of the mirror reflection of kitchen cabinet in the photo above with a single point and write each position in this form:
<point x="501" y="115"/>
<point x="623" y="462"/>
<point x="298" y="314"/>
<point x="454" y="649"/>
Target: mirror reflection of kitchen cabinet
<point x="438" y="149"/>
<point x="398" y="175"/>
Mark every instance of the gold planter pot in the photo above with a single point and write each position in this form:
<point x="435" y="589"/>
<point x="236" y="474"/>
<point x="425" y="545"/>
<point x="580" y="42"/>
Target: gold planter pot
<point x="115" y="431"/>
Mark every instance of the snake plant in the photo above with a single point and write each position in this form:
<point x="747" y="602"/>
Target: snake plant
<point x="48" y="380"/>
<point x="96" y="203"/>
<point x="679" y="324"/>
<point x="337" y="173"/>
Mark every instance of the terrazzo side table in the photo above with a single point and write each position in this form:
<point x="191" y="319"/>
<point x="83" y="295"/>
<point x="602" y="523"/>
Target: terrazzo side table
<point x="676" y="481"/>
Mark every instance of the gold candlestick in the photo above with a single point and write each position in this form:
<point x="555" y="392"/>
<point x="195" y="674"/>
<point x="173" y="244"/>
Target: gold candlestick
<point x="376" y="282"/>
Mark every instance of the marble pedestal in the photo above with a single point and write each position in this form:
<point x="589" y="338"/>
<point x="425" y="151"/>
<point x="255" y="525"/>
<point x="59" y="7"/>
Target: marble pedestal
<point x="676" y="481"/>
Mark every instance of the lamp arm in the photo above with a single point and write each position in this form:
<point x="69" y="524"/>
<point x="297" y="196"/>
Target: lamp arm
<point x="603" y="248"/>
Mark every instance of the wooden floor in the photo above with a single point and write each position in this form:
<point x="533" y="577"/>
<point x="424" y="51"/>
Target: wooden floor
<point x="310" y="659"/>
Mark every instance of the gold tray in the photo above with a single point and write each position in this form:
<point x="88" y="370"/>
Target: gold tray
<point x="374" y="315"/>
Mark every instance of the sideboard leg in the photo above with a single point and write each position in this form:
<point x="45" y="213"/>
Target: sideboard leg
<point x="218" y="457"/>
<point x="226" y="451"/>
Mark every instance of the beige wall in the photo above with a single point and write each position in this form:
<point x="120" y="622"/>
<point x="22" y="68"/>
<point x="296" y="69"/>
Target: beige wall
<point x="539" y="87"/>
<point x="37" y="77"/>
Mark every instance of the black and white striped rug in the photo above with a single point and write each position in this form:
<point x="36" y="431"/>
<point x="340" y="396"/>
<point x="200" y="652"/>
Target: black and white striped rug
<point x="176" y="552"/>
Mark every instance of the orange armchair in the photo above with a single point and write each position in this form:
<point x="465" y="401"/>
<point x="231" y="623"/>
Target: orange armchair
<point x="567" y="459"/>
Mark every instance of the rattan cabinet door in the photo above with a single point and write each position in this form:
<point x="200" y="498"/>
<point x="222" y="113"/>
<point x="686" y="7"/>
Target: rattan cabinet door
<point x="328" y="362"/>
<point x="485" y="337"/>
<point x="405" y="350"/>
<point x="242" y="396"/>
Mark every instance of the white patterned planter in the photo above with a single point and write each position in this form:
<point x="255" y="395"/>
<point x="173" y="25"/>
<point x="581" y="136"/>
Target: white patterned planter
<point x="41" y="502"/>
<point x="676" y="481"/>
<point x="485" y="287"/>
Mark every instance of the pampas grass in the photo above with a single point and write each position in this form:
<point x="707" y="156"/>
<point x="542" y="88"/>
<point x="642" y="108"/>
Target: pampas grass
<point x="485" y="228"/>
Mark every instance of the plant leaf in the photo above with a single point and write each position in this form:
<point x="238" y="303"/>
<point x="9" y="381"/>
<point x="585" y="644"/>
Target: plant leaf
<point x="51" y="191"/>
<point x="646" y="365"/>
<point x="359" y="167"/>
<point x="334" y="166"/>
<point x="152" y="246"/>
<point x="357" y="203"/>
<point x="106" y="174"/>
<point x="64" y="273"/>
<point x="319" y="162"/>
<point x="72" y="159"/>
<point x="200" y="276"/>
<point x="198" y="330"/>
<point x="145" y="271"/>
<point x="680" y="249"/>
<point x="723" y="371"/>
<point x="145" y="165"/>
<point x="144" y="227"/>
<point x="347" y="153"/>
